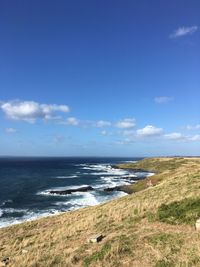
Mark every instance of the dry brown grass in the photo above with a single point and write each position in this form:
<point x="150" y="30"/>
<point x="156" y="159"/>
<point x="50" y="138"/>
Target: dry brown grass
<point x="133" y="236"/>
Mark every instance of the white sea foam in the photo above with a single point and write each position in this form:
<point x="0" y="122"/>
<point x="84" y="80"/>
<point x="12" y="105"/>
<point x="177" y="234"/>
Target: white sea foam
<point x="130" y="161"/>
<point x="82" y="165"/>
<point x="150" y="174"/>
<point x="99" y="173"/>
<point x="67" y="177"/>
<point x="29" y="216"/>
<point x="81" y="200"/>
<point x="13" y="210"/>
<point x="84" y="200"/>
<point x="87" y="199"/>
<point x="108" y="177"/>
<point x="104" y="169"/>
<point x="5" y="202"/>
<point x="110" y="181"/>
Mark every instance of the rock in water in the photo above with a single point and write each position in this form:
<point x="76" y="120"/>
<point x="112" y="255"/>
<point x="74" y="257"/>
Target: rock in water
<point x="72" y="190"/>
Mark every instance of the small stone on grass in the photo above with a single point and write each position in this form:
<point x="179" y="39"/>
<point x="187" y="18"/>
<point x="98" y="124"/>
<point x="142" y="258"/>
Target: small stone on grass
<point x="95" y="238"/>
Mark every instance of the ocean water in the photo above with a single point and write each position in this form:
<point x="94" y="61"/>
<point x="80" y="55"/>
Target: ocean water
<point x="25" y="184"/>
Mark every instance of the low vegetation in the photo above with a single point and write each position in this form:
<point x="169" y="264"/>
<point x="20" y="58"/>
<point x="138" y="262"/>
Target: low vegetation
<point x="185" y="211"/>
<point x="152" y="227"/>
<point x="165" y="165"/>
<point x="97" y="256"/>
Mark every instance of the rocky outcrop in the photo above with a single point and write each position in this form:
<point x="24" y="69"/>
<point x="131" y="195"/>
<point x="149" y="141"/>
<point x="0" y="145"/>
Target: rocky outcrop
<point x="134" y="178"/>
<point x="72" y="190"/>
<point x="125" y="188"/>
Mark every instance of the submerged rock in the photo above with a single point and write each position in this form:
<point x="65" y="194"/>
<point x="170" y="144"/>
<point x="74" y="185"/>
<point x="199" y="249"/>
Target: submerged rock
<point x="72" y="190"/>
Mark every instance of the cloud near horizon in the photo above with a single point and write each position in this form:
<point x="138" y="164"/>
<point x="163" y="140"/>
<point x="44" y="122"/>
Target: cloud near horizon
<point x="152" y="132"/>
<point x="181" y="137"/>
<point x="195" y="137"/>
<point x="183" y="31"/>
<point x="175" y="136"/>
<point x="30" y="111"/>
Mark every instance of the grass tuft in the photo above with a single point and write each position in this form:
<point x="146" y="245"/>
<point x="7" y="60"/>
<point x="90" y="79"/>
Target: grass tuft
<point x="97" y="256"/>
<point x="186" y="211"/>
<point x="164" y="263"/>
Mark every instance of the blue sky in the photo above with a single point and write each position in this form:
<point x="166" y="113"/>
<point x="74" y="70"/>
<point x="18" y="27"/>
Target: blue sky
<point x="102" y="78"/>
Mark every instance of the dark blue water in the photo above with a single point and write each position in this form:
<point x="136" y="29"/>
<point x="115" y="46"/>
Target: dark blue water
<point x="25" y="185"/>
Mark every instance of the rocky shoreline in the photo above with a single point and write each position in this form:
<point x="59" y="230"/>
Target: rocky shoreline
<point x="72" y="190"/>
<point x="124" y="188"/>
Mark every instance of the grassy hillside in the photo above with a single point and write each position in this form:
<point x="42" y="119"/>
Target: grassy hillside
<point x="152" y="227"/>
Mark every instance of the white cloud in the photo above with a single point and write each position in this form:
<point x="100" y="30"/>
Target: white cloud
<point x="182" y="31"/>
<point x="126" y="141"/>
<point x="175" y="136"/>
<point x="102" y="123"/>
<point x="163" y="99"/>
<point x="149" y="131"/>
<point x="70" y="121"/>
<point x="128" y="132"/>
<point x="181" y="137"/>
<point x="126" y="123"/>
<point x="104" y="132"/>
<point x="195" y="138"/>
<point x="10" y="130"/>
<point x="84" y="123"/>
<point x="30" y="111"/>
<point x="193" y="127"/>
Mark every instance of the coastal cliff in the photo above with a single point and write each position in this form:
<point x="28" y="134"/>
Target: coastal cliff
<point x="153" y="226"/>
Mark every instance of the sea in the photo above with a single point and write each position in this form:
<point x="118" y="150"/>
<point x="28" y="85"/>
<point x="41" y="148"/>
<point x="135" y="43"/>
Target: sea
<point x="26" y="182"/>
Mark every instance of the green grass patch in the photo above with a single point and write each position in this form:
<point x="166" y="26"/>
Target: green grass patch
<point x="169" y="245"/>
<point x="195" y="261"/>
<point x="172" y="242"/>
<point x="151" y="217"/>
<point x="186" y="211"/>
<point x="138" y="186"/>
<point x="164" y="263"/>
<point x="97" y="256"/>
<point x="124" y="246"/>
<point x="161" y="238"/>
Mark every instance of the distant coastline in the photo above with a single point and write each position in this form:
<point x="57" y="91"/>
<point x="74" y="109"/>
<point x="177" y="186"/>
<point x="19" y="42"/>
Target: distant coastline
<point x="59" y="185"/>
